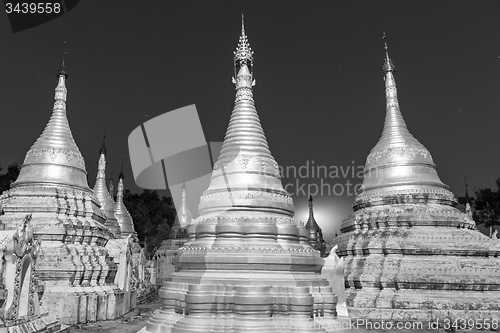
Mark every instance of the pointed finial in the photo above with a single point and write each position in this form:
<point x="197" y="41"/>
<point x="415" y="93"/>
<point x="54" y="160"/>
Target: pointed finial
<point x="466" y="187"/>
<point x="64" y="53"/>
<point x="62" y="70"/>
<point x="311" y="213"/>
<point x="243" y="54"/>
<point x="120" y="176"/>
<point x="311" y="222"/>
<point x="103" y="147"/>
<point x="388" y="65"/>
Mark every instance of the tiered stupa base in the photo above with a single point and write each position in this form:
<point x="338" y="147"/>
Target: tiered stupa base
<point x="419" y="262"/>
<point x="224" y="307"/>
<point x="245" y="284"/>
<point x="165" y="257"/>
<point x="74" y="265"/>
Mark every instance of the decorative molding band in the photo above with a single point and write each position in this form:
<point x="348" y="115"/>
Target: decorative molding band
<point x="398" y="151"/>
<point x="62" y="155"/>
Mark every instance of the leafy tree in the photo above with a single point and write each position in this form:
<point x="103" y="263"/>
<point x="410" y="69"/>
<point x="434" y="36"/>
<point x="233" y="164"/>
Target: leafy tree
<point x="487" y="207"/>
<point x="153" y="217"/>
<point x="9" y="177"/>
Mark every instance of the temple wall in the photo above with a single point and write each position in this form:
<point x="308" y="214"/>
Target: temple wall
<point x="89" y="305"/>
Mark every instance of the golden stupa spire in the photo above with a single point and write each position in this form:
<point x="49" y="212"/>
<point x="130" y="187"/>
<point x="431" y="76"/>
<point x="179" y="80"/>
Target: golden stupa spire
<point x="395" y="131"/>
<point x="313" y="230"/>
<point x="55" y="158"/>
<point x="122" y="214"/>
<point x="398" y="162"/>
<point x="62" y="70"/>
<point x="120" y="176"/>
<point x="466" y="189"/>
<point x="102" y="194"/>
<point x="245" y="154"/>
<point x="111" y="187"/>
<point x="101" y="164"/>
<point x="184" y="214"/>
<point x="103" y="147"/>
<point x="244" y="131"/>
<point x="311" y="221"/>
<point x="243" y="54"/>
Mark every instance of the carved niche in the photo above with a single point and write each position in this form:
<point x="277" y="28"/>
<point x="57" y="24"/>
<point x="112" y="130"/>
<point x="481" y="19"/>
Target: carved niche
<point x="19" y="253"/>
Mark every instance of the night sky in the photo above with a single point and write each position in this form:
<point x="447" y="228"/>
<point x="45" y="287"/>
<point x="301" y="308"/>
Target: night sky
<point x="318" y="69"/>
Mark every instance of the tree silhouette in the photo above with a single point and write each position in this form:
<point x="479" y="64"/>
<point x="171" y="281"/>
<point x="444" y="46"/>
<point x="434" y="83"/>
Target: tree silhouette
<point x="485" y="207"/>
<point x="9" y="177"/>
<point x="153" y="217"/>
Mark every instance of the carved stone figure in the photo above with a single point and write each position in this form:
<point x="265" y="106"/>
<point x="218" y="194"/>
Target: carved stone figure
<point x="19" y="290"/>
<point x="333" y="270"/>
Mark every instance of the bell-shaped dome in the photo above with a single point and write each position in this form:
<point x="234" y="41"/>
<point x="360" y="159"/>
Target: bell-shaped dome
<point x="399" y="163"/>
<point x="246" y="177"/>
<point x="54" y="157"/>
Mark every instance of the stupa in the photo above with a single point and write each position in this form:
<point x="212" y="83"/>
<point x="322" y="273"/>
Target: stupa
<point x="102" y="194"/>
<point x="314" y="232"/>
<point x="247" y="266"/>
<point x="73" y="265"/>
<point x="410" y="254"/>
<point x="125" y="220"/>
<point x="139" y="279"/>
<point x="111" y="187"/>
<point x="178" y="236"/>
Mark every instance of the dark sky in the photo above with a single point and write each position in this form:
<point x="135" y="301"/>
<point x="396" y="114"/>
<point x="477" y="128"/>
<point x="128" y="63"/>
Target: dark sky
<point x="318" y="67"/>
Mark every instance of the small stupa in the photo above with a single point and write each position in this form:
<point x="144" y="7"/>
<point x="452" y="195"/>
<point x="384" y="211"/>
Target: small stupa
<point x="314" y="232"/>
<point x="410" y="254"/>
<point x="139" y="279"/>
<point x="102" y="194"/>
<point x="121" y="212"/>
<point x="247" y="266"/>
<point x="178" y="236"/>
<point x="111" y="187"/>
